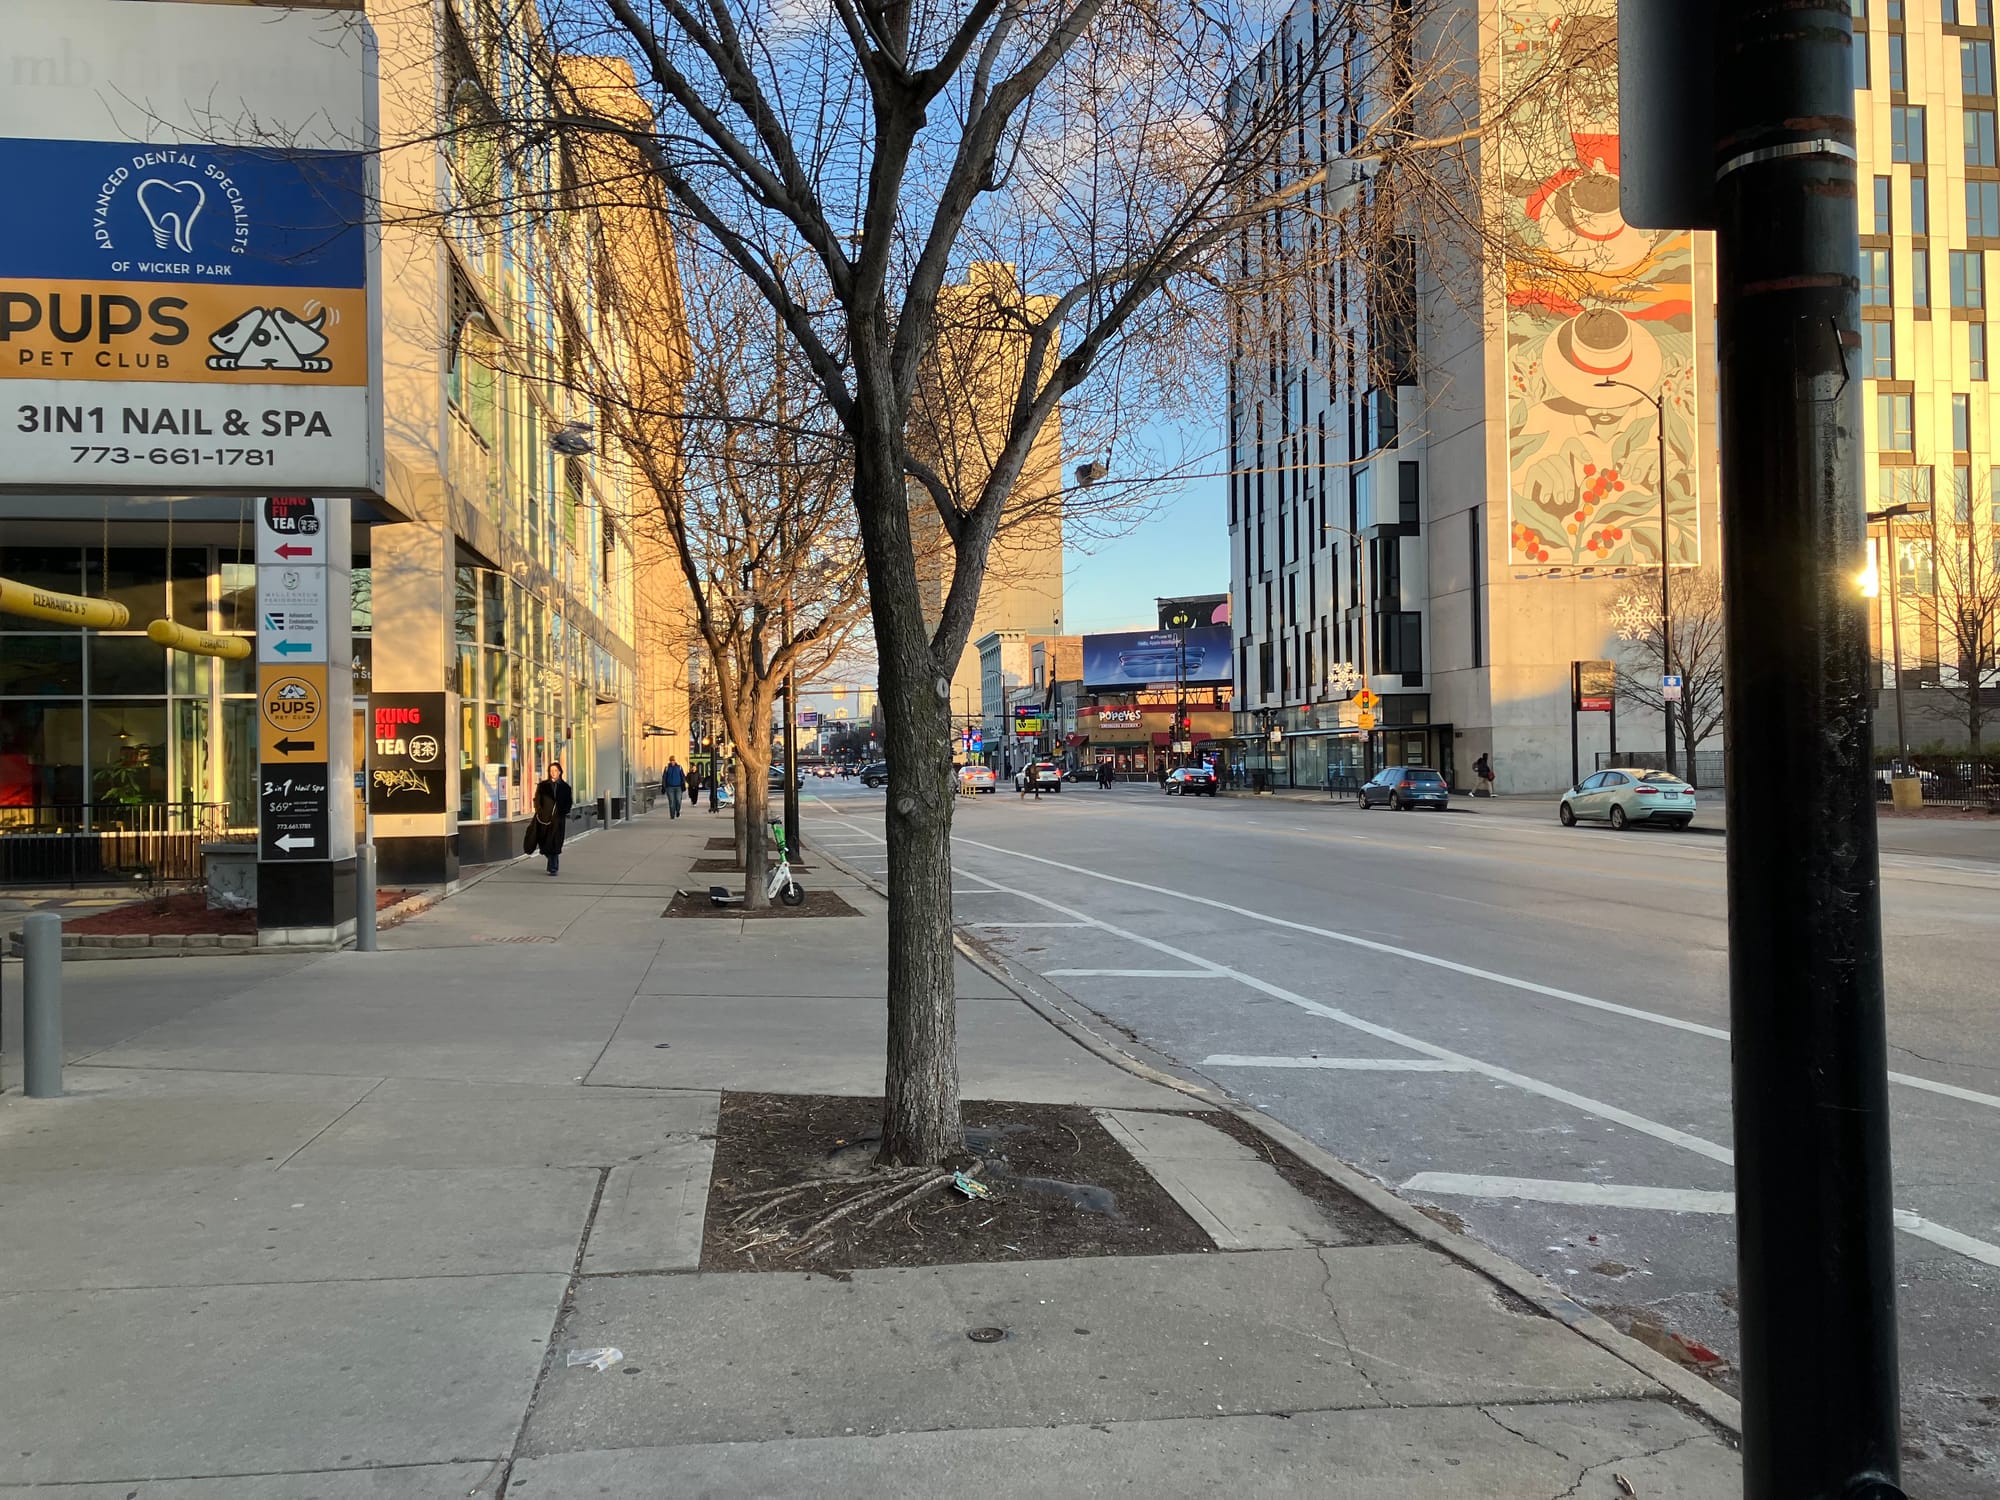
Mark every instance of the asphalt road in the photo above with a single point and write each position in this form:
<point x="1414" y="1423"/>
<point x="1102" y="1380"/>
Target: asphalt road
<point x="1518" y="1025"/>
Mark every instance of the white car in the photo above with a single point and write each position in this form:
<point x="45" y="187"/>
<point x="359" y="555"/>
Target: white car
<point x="977" y="779"/>
<point x="1625" y="795"/>
<point x="1041" y="776"/>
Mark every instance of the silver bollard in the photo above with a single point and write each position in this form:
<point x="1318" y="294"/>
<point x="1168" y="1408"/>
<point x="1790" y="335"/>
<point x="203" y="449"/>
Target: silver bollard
<point x="41" y="1005"/>
<point x="364" y="899"/>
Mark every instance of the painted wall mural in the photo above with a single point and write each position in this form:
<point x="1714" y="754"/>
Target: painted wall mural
<point x="1589" y="299"/>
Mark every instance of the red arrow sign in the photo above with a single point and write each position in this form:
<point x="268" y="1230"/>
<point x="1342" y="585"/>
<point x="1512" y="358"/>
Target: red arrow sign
<point x="288" y="550"/>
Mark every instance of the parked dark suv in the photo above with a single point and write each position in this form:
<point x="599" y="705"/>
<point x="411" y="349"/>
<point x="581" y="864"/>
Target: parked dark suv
<point x="1405" y="787"/>
<point x="875" y="773"/>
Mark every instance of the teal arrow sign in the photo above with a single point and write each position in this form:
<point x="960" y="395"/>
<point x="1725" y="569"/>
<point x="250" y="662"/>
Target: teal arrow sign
<point x="292" y="648"/>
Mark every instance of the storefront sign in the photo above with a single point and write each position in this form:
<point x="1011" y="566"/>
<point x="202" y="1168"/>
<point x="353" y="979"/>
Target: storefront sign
<point x="406" y="760"/>
<point x="186" y="305"/>
<point x="1128" y="716"/>
<point x="291" y="812"/>
<point x="1596" y="686"/>
<point x="291" y="614"/>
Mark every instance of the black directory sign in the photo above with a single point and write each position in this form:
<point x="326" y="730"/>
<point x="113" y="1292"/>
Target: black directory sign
<point x="407" y="772"/>
<point x="291" y="805"/>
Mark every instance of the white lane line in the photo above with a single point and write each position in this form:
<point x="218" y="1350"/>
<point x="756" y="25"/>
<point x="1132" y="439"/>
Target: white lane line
<point x="1027" y="924"/>
<point x="1127" y="973"/>
<point x="1948" y="1239"/>
<point x="1349" y="1064"/>
<point x="1631" y="1012"/>
<point x="1585" y="1194"/>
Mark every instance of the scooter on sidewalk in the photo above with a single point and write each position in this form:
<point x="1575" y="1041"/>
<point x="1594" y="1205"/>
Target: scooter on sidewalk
<point x="782" y="886"/>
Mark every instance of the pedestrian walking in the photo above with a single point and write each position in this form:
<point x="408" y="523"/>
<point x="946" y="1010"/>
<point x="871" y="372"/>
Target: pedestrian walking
<point x="1482" y="768"/>
<point x="550" y="819"/>
<point x="672" y="781"/>
<point x="1160" y="775"/>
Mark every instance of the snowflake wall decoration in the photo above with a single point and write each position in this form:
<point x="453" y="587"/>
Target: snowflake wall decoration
<point x="1634" y="617"/>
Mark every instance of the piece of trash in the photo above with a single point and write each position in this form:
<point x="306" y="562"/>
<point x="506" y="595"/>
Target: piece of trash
<point x="1624" y="1485"/>
<point x="970" y="1187"/>
<point x="1015" y="1248"/>
<point x="599" y="1360"/>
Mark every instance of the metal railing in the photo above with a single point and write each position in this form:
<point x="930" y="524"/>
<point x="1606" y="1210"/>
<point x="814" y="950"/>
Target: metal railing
<point x="1701" y="769"/>
<point x="1947" y="781"/>
<point x="110" y="843"/>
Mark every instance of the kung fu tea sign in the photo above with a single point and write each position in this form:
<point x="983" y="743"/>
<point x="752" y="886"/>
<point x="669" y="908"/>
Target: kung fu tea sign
<point x="407" y="766"/>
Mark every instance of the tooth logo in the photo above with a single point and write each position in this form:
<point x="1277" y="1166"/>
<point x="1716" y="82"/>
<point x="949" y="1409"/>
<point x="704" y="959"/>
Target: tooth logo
<point x="171" y="209"/>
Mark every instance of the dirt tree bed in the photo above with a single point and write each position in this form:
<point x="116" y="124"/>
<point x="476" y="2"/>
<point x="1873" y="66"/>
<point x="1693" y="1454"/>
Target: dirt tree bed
<point x="818" y="903"/>
<point x="731" y="867"/>
<point x="1061" y="1187"/>
<point x="185" y="912"/>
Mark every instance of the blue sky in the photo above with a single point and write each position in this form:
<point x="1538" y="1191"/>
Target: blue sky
<point x="1180" y="546"/>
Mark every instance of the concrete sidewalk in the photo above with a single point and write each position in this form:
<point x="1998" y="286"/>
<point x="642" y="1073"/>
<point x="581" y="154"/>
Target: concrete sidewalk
<point x="330" y="1226"/>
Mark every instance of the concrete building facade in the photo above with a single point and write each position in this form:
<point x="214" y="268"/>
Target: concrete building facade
<point x="489" y="566"/>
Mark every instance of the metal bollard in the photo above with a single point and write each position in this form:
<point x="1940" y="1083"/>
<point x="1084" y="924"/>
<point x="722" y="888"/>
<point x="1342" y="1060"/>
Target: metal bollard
<point x="364" y="899"/>
<point x="41" y="1005"/>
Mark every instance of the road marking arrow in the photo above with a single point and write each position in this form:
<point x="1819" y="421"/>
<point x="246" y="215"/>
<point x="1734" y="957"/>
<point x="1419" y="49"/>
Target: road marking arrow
<point x="289" y="842"/>
<point x="289" y="746"/>
<point x="289" y="648"/>
<point x="288" y="550"/>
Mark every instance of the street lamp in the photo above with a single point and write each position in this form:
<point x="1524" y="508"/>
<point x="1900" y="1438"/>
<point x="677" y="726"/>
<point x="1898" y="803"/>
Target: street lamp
<point x="1871" y="588"/>
<point x="1659" y="405"/>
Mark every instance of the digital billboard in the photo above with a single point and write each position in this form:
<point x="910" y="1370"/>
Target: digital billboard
<point x="1138" y="658"/>
<point x="187" y="305"/>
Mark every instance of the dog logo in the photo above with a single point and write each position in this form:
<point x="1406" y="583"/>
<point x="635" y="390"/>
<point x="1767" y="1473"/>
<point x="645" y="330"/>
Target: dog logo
<point x="270" y="338"/>
<point x="291" y="692"/>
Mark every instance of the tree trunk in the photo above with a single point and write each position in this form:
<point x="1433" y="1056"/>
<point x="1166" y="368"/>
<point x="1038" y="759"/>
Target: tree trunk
<point x="736" y="813"/>
<point x="753" y="798"/>
<point x="920" y="1118"/>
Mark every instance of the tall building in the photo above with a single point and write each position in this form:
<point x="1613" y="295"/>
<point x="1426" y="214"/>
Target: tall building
<point x="1442" y="483"/>
<point x="487" y="565"/>
<point x="959" y="428"/>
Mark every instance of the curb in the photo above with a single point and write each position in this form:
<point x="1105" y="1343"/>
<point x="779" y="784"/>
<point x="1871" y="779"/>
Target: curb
<point x="1719" y="1407"/>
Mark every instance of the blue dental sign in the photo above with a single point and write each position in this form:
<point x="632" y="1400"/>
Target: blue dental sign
<point x="119" y="211"/>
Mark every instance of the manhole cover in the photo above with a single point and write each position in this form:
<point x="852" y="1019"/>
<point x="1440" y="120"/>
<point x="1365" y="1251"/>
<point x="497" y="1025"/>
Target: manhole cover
<point x="986" y="1335"/>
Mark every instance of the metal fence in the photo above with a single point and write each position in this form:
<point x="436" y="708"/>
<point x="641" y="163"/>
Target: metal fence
<point x="1948" y="781"/>
<point x="110" y="843"/>
<point x="1702" y="769"/>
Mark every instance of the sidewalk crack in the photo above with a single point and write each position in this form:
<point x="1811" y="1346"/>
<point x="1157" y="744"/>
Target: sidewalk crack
<point x="1339" y="1327"/>
<point x="331" y="1123"/>
<point x="1624" y="1458"/>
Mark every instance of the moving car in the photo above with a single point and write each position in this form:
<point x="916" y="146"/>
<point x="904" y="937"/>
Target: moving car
<point x="977" y="779"/>
<point x="875" y="773"/>
<point x="1405" y="787"/>
<point x="1190" y="781"/>
<point x="1625" y="795"/>
<point x="1041" y="775"/>
<point x="775" y="778"/>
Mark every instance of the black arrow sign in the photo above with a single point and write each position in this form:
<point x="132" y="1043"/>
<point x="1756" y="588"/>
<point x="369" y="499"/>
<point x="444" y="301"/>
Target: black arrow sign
<point x="290" y="746"/>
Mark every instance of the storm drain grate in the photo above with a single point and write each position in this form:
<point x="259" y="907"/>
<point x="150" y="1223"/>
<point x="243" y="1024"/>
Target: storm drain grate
<point x="520" y="937"/>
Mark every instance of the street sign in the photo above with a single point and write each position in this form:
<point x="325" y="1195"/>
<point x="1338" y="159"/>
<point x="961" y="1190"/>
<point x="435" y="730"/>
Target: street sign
<point x="291" y="613"/>
<point x="1365" y="699"/>
<point x="1364" y="720"/>
<point x="1595" y="686"/>
<point x="808" y="718"/>
<point x="1670" y="688"/>
<point x="292" y="817"/>
<point x="290" y="531"/>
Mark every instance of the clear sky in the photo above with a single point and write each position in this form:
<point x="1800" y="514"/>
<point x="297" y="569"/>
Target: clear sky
<point x="1179" y="545"/>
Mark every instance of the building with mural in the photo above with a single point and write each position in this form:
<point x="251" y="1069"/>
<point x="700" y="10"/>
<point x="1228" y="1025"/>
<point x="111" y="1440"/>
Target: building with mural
<point x="1449" y="490"/>
<point x="1440" y="485"/>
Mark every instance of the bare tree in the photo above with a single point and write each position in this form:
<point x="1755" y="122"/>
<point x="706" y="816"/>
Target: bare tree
<point x="1696" y="657"/>
<point x="1956" y="556"/>
<point x="857" y="163"/>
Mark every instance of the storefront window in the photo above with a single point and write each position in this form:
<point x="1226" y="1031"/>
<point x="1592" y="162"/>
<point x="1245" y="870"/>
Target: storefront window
<point x="42" y="666"/>
<point x="465" y="605"/>
<point x="493" y="608"/>
<point x="136" y="580"/>
<point x="188" y="674"/>
<point x="469" y="738"/>
<point x="126" y="664"/>
<point x="56" y="568"/>
<point x="189" y="590"/>
<point x="361" y="597"/>
<point x="41" y="759"/>
<point x="128" y="755"/>
<point x="190" y="751"/>
<point x="239" y="760"/>
<point x="238" y="607"/>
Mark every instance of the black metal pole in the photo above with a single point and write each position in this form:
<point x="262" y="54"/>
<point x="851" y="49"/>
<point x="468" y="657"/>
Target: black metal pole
<point x="1667" y="710"/>
<point x="1575" y="753"/>
<point x="1816" y="1262"/>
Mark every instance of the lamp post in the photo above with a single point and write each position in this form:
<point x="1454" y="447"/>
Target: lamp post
<point x="1183" y="740"/>
<point x="1659" y="405"/>
<point x="1871" y="588"/>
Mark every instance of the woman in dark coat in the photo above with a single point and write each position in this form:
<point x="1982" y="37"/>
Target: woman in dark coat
<point x="551" y="816"/>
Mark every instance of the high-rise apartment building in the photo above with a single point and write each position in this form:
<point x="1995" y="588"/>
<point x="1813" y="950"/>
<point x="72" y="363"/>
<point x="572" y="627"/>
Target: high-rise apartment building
<point x="1443" y="480"/>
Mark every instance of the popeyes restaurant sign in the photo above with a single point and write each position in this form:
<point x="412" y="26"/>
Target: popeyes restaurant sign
<point x="187" y="305"/>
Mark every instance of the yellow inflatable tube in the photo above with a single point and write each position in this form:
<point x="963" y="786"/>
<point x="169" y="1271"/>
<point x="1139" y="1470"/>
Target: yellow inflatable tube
<point x="64" y="609"/>
<point x="198" y="642"/>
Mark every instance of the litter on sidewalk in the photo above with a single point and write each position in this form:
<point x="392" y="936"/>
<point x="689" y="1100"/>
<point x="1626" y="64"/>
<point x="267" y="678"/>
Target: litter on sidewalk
<point x="599" y="1360"/>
